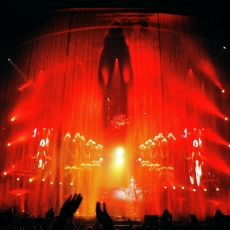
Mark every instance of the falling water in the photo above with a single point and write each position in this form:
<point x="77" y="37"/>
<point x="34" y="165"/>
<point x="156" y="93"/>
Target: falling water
<point x="74" y="99"/>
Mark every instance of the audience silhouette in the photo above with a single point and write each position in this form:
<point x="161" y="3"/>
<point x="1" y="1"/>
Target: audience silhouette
<point x="64" y="220"/>
<point x="218" y="219"/>
<point x="166" y="220"/>
<point x="67" y="210"/>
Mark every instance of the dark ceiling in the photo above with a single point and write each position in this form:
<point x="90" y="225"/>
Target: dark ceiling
<point x="17" y="17"/>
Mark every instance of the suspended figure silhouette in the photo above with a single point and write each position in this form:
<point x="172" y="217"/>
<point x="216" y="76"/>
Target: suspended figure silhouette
<point x="114" y="74"/>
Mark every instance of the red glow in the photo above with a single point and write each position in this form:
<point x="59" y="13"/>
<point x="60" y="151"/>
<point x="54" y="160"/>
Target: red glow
<point x="209" y="134"/>
<point x="24" y="111"/>
<point x="67" y="96"/>
<point x="13" y="118"/>
<point x="201" y="102"/>
<point x="26" y="85"/>
<point x="216" y="161"/>
<point x="208" y="69"/>
<point x="24" y="137"/>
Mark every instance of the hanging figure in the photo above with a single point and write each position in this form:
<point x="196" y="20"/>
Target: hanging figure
<point x="114" y="73"/>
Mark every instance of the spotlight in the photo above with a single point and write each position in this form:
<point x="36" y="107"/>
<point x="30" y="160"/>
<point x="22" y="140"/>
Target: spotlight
<point x="120" y="152"/>
<point x="226" y="118"/>
<point x="205" y="189"/>
<point x="30" y="180"/>
<point x="5" y="173"/>
<point x="13" y="118"/>
<point x="8" y="59"/>
<point x="217" y="189"/>
<point x="8" y="144"/>
<point x="182" y="187"/>
<point x="194" y="190"/>
<point x="224" y="47"/>
<point x="174" y="187"/>
<point x="18" y="178"/>
<point x="223" y="91"/>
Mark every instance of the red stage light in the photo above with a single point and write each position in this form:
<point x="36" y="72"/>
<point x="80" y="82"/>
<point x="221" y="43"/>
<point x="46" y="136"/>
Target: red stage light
<point x="13" y="118"/>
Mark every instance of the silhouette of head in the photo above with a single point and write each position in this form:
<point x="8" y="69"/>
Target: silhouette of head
<point x="116" y="29"/>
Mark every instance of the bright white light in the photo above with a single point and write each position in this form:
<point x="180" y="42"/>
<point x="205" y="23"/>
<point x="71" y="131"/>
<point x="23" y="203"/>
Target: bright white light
<point x="119" y="153"/>
<point x="119" y="160"/>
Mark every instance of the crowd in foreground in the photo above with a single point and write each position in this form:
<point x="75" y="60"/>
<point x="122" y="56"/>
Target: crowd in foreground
<point x="64" y="221"/>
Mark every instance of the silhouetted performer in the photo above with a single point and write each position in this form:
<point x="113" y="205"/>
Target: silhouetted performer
<point x="166" y="220"/>
<point x="218" y="219"/>
<point x="114" y="85"/>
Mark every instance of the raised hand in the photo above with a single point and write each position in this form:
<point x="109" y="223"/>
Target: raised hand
<point x="67" y="210"/>
<point x="103" y="217"/>
<point x="70" y="206"/>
